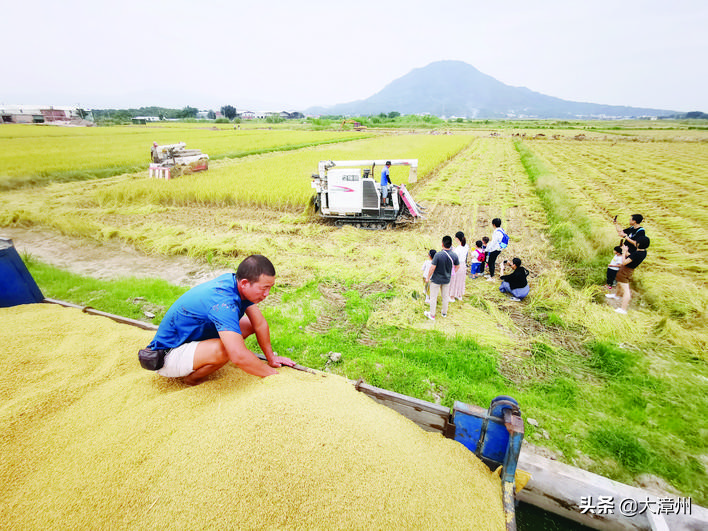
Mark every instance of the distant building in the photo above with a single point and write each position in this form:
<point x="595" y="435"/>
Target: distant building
<point x="292" y="115"/>
<point x="145" y="119"/>
<point x="247" y="115"/>
<point x="40" y="114"/>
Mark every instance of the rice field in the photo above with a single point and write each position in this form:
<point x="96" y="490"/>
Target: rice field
<point x="37" y="154"/>
<point x="280" y="180"/>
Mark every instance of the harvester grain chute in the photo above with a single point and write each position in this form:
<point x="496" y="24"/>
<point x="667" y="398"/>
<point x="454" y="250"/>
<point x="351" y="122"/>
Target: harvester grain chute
<point x="172" y="160"/>
<point x="348" y="193"/>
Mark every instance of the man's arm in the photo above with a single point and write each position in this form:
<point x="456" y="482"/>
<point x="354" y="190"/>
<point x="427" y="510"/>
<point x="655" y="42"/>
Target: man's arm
<point x="430" y="272"/>
<point x="242" y="357"/>
<point x="262" y="331"/>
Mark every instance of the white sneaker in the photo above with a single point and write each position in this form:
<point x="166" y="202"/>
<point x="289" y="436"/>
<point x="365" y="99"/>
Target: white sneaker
<point x="444" y="314"/>
<point x="490" y="279"/>
<point x="427" y="314"/>
<point x="611" y="296"/>
<point x="620" y="310"/>
<point x="514" y="299"/>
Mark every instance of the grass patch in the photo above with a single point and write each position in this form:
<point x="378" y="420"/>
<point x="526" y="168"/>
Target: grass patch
<point x="129" y="297"/>
<point x="609" y="359"/>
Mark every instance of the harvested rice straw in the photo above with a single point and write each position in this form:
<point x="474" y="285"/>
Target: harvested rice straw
<point x="91" y="440"/>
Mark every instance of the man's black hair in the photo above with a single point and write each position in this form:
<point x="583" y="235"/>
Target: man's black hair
<point x="447" y="241"/>
<point x="253" y="267"/>
<point x="496" y="222"/>
<point x="638" y="218"/>
<point x="643" y="242"/>
<point x="618" y="249"/>
<point x="516" y="262"/>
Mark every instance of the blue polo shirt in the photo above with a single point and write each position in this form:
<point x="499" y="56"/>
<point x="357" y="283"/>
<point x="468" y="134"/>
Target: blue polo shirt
<point x="202" y="313"/>
<point x="384" y="177"/>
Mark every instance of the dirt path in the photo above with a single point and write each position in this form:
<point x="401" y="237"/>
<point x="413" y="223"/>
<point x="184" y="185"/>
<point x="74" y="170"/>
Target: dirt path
<point x="107" y="260"/>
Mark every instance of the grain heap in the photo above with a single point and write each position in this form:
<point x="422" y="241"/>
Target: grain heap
<point x="91" y="440"/>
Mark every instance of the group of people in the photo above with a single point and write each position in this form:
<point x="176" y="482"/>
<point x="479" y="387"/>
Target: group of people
<point x="445" y="271"/>
<point x="631" y="252"/>
<point x="206" y="327"/>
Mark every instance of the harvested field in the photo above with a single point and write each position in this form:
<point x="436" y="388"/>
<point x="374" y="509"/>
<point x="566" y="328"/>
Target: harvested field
<point x="91" y="440"/>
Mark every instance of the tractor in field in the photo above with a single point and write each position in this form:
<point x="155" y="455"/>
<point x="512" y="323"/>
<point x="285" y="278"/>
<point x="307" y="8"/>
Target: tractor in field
<point x="348" y="192"/>
<point x="173" y="160"/>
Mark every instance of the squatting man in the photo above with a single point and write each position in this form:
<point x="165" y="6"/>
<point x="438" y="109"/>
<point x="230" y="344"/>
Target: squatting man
<point x="206" y="327"/>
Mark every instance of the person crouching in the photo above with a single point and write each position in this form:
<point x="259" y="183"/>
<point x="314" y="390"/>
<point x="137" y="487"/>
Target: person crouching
<point x="515" y="283"/>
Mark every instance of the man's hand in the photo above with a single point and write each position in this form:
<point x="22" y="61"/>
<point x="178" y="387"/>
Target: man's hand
<point x="279" y="361"/>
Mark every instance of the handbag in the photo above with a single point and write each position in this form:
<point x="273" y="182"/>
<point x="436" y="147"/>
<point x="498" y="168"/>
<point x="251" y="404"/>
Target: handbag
<point x="152" y="360"/>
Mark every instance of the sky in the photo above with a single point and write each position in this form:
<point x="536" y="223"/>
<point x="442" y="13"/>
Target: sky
<point x="290" y="55"/>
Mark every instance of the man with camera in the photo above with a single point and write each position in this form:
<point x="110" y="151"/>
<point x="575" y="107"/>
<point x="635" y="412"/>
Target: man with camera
<point x="514" y="283"/>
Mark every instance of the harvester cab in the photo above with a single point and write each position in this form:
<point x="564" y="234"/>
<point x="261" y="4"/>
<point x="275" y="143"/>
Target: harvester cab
<point x="348" y="192"/>
<point x="173" y="160"/>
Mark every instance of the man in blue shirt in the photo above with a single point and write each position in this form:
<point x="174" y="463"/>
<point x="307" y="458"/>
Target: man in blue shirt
<point x="206" y="327"/>
<point x="385" y="181"/>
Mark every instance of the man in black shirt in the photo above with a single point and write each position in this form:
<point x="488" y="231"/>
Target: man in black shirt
<point x="630" y="234"/>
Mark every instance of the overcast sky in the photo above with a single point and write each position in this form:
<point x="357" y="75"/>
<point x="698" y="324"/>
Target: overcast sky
<point x="290" y="54"/>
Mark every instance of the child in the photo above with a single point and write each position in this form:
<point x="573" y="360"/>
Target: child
<point x="614" y="266"/>
<point x="478" y="257"/>
<point x="426" y="270"/>
<point x="485" y="242"/>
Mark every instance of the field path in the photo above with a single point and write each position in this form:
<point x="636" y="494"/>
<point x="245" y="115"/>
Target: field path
<point x="107" y="260"/>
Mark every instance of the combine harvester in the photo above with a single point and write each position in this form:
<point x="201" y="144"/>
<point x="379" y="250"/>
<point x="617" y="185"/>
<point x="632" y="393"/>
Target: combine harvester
<point x="348" y="192"/>
<point x="494" y="435"/>
<point x="172" y="160"/>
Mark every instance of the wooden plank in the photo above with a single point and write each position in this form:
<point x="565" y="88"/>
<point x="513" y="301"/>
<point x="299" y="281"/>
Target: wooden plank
<point x="429" y="416"/>
<point x="93" y="311"/>
<point x="558" y="488"/>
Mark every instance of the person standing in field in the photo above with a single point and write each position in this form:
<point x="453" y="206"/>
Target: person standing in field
<point x="385" y="181"/>
<point x="632" y="259"/>
<point x="498" y="242"/>
<point x="485" y="244"/>
<point x="614" y="266"/>
<point x="426" y="268"/>
<point x="206" y="327"/>
<point x="444" y="264"/>
<point x="457" y="284"/>
<point x="478" y="257"/>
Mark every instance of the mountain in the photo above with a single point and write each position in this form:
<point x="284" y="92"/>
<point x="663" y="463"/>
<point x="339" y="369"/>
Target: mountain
<point x="455" y="88"/>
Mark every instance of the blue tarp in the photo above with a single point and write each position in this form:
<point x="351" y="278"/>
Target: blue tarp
<point x="16" y="284"/>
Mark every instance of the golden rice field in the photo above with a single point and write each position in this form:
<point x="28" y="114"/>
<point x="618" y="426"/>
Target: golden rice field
<point x="40" y="153"/>
<point x="280" y="180"/>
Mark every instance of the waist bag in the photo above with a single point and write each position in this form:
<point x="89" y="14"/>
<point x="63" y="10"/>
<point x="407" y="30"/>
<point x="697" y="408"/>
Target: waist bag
<point x="152" y="360"/>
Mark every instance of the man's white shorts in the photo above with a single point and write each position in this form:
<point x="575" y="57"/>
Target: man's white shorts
<point x="179" y="361"/>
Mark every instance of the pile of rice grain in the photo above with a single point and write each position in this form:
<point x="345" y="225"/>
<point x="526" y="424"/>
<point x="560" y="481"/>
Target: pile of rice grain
<point x="90" y="440"/>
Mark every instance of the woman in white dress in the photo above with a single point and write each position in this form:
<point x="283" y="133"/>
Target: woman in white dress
<point x="457" y="284"/>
